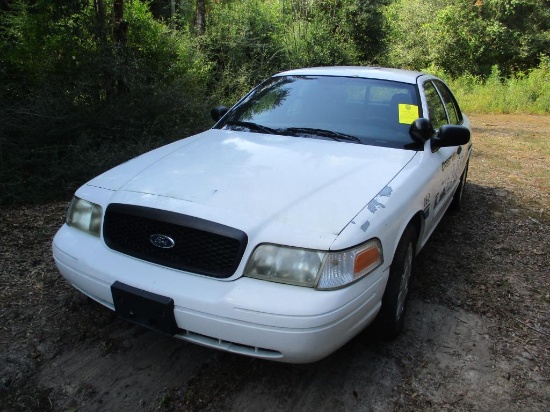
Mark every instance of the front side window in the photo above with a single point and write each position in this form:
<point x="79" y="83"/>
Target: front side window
<point x="437" y="113"/>
<point x="450" y="103"/>
<point x="357" y="110"/>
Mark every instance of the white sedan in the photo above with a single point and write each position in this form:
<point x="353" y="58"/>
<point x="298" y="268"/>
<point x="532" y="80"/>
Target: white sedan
<point x="288" y="227"/>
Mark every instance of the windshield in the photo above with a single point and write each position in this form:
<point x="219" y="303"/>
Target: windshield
<point x="367" y="111"/>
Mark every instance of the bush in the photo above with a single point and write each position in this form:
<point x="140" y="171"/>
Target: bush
<point x="316" y="43"/>
<point x="240" y="41"/>
<point x="87" y="102"/>
<point x="248" y="41"/>
<point x="76" y="99"/>
<point x="522" y="93"/>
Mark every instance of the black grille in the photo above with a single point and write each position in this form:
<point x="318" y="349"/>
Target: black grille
<point x="200" y="246"/>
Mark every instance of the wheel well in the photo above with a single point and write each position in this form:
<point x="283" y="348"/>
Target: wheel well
<point x="418" y="222"/>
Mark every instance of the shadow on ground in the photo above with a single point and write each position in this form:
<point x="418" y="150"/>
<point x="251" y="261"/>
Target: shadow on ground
<point x="466" y="345"/>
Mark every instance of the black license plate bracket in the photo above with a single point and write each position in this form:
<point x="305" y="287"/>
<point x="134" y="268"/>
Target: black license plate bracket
<point x="144" y="308"/>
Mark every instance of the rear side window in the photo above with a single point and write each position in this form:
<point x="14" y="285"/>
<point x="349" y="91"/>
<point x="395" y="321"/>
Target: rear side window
<point x="436" y="109"/>
<point x="453" y="111"/>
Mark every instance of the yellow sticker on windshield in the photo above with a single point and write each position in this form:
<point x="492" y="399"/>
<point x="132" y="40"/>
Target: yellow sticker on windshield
<point x="408" y="113"/>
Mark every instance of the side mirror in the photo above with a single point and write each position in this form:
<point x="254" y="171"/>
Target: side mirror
<point x="451" y="135"/>
<point x="421" y="130"/>
<point x="218" y="112"/>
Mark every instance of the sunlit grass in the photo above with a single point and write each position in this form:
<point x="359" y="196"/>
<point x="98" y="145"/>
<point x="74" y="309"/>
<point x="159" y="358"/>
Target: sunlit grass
<point x="527" y="93"/>
<point x="522" y="93"/>
<point x="512" y="152"/>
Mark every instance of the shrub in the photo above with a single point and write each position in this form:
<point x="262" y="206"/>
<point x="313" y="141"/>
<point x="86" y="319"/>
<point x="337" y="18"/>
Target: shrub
<point x="522" y="93"/>
<point x="75" y="103"/>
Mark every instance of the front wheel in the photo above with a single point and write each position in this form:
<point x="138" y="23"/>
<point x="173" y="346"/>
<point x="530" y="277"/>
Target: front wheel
<point x="391" y="318"/>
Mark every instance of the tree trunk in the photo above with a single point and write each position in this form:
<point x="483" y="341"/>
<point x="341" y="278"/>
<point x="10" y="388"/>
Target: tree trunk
<point x="120" y="29"/>
<point x="120" y="36"/>
<point x="99" y="7"/>
<point x="173" y="14"/>
<point x="200" y="17"/>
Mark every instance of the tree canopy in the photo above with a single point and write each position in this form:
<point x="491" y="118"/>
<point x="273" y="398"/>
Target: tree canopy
<point x="87" y="83"/>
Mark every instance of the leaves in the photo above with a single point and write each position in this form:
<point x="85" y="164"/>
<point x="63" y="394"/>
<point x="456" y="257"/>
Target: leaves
<point x="74" y="101"/>
<point x="465" y="37"/>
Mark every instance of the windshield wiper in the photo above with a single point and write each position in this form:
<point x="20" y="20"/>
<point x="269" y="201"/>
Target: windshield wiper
<point x="252" y="126"/>
<point x="294" y="131"/>
<point x="320" y="132"/>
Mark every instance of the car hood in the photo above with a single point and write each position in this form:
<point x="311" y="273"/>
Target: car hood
<point x="254" y="180"/>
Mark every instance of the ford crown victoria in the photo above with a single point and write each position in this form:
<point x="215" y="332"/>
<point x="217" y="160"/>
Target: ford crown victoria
<point x="289" y="226"/>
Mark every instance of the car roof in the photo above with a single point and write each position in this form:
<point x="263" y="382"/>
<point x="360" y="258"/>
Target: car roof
<point x="382" y="73"/>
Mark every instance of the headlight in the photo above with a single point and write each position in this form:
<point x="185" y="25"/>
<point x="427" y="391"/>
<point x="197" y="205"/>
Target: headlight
<point x="284" y="264"/>
<point x="85" y="216"/>
<point x="313" y="268"/>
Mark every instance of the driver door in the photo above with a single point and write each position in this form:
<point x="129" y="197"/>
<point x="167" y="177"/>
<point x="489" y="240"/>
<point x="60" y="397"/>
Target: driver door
<point x="443" y="162"/>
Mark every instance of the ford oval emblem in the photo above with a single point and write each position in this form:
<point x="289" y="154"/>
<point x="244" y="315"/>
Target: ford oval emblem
<point x="162" y="241"/>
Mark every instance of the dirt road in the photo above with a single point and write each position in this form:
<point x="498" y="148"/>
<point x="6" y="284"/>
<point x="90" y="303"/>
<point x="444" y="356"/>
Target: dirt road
<point x="477" y="335"/>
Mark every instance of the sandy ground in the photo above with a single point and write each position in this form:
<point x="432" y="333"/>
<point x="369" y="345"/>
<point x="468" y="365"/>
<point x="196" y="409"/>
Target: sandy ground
<point x="477" y="333"/>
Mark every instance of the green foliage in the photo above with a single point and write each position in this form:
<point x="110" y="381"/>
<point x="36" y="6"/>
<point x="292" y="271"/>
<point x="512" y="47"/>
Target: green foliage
<point x="445" y="34"/>
<point x="522" y="32"/>
<point x="240" y="42"/>
<point x="315" y="44"/>
<point x="82" y="102"/>
<point x="78" y="96"/>
<point x="464" y="36"/>
<point x="249" y="40"/>
<point x="367" y="27"/>
<point x="523" y="93"/>
<point x="316" y="35"/>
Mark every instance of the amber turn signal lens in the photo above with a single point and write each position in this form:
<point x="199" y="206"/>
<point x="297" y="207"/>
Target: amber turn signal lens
<point x="366" y="258"/>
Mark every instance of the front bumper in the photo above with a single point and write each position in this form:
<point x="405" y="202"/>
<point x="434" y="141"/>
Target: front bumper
<point x="247" y="316"/>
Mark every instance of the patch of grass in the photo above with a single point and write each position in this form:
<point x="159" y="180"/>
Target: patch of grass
<point x="514" y="156"/>
<point x="522" y="93"/>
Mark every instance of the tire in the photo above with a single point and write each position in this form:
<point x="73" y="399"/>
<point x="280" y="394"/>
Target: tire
<point x="391" y="318"/>
<point x="456" y="203"/>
